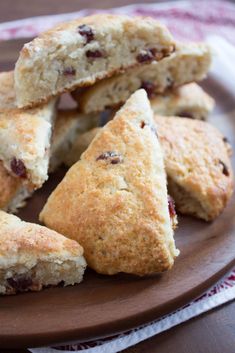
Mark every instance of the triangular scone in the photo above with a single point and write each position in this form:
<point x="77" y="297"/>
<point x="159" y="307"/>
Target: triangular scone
<point x="25" y="135"/>
<point x="80" y="52"/>
<point x="189" y="63"/>
<point x="32" y="256"/>
<point x="200" y="176"/>
<point x="114" y="200"/>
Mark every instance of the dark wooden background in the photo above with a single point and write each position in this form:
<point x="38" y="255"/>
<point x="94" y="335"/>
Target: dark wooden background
<point x="213" y="332"/>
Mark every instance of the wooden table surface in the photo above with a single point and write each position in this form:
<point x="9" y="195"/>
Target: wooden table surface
<point x="213" y="332"/>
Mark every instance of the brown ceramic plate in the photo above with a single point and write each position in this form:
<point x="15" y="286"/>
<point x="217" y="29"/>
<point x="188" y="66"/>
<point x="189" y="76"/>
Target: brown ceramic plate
<point x="104" y="305"/>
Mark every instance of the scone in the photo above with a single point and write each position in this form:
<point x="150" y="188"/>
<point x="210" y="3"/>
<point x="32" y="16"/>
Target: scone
<point x="80" y="52"/>
<point x="69" y="126"/>
<point x="189" y="101"/>
<point x="196" y="155"/>
<point x="200" y="176"/>
<point x="25" y="135"/>
<point x="33" y="257"/>
<point x="115" y="197"/>
<point x="190" y="62"/>
<point x="13" y="192"/>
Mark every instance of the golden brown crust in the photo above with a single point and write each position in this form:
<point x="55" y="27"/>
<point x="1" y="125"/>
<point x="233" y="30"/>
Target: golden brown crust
<point x="28" y="238"/>
<point x="116" y="197"/>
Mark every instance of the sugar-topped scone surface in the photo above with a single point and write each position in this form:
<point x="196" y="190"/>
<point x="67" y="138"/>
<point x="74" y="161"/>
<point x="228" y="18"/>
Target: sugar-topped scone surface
<point x="32" y="256"/>
<point x="80" y="52"/>
<point x="189" y="62"/>
<point x="25" y="135"/>
<point x="115" y="197"/>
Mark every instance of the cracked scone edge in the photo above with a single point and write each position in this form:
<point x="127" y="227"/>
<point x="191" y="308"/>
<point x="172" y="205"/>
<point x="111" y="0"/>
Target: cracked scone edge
<point x="118" y="213"/>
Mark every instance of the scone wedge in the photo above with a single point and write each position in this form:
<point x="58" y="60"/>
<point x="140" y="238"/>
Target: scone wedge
<point x="189" y="63"/>
<point x="25" y="135"/>
<point x="115" y="197"/>
<point x="197" y="162"/>
<point x="199" y="171"/>
<point x="80" y="52"/>
<point x="33" y="257"/>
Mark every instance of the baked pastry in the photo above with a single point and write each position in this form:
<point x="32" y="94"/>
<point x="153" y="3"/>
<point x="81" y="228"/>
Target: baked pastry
<point x="189" y="101"/>
<point x="80" y="52"/>
<point x="200" y="176"/>
<point x="13" y="192"/>
<point x="190" y="62"/>
<point x="115" y="197"/>
<point x="196" y="155"/>
<point x="69" y="126"/>
<point x="33" y="257"/>
<point x="25" y="135"/>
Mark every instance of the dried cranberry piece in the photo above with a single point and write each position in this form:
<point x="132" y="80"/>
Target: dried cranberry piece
<point x="18" y="168"/>
<point x="185" y="115"/>
<point x="225" y="170"/>
<point x="69" y="71"/>
<point x="225" y="139"/>
<point x="112" y="157"/>
<point x="171" y="207"/>
<point x="86" y="32"/>
<point x="20" y="283"/>
<point x="149" y="87"/>
<point x="145" y="56"/>
<point x="93" y="54"/>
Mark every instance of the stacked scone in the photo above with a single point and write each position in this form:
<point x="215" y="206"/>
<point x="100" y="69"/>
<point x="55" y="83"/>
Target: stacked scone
<point x="137" y="140"/>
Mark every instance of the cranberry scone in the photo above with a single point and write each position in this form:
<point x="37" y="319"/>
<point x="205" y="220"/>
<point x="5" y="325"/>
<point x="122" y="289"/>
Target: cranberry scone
<point x="199" y="171"/>
<point x="196" y="156"/>
<point x="25" y="135"/>
<point x="189" y="62"/>
<point x="80" y="52"/>
<point x="33" y="257"/>
<point x="115" y="197"/>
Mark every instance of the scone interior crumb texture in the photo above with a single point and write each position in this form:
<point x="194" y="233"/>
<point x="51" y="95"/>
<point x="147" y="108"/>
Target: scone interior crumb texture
<point x="115" y="197"/>
<point x="81" y="51"/>
<point x="33" y="257"/>
<point x="189" y="63"/>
